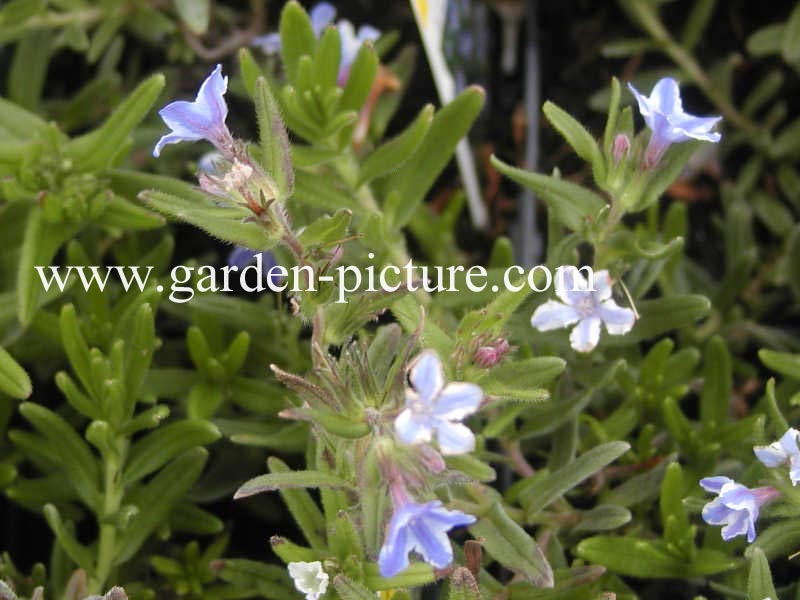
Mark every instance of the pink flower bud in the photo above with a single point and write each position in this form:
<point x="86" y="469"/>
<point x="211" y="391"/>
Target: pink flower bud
<point x="431" y="459"/>
<point x="621" y="146"/>
<point x="488" y="356"/>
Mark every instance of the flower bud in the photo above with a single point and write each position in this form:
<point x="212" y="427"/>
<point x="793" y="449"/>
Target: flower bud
<point x="488" y="356"/>
<point x="620" y="148"/>
<point x="431" y="459"/>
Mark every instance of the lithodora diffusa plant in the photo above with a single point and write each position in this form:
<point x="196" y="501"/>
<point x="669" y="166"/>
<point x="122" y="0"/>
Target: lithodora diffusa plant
<point x="604" y="438"/>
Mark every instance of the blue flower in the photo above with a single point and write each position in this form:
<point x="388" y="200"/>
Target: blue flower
<point x="321" y="16"/>
<point x="435" y="408"/>
<point x="669" y="124"/>
<point x="784" y="451"/>
<point x="736" y="506"/>
<point x="351" y="44"/>
<point x="421" y="528"/>
<point x="588" y="308"/>
<point x="202" y="119"/>
<point x="240" y="257"/>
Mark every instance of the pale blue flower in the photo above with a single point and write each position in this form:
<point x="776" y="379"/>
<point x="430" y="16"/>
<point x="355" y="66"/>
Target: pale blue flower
<point x="321" y="16"/>
<point x="202" y="119"/>
<point x="433" y="408"/>
<point x="589" y="308"/>
<point x="351" y="44"/>
<point x="421" y="528"/>
<point x="784" y="451"/>
<point x="736" y="506"/>
<point x="668" y="123"/>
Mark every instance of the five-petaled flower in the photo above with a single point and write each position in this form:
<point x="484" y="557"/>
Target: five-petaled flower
<point x="202" y="119"/>
<point x="736" y="506"/>
<point x="669" y="124"/>
<point x="784" y="451"/>
<point x="309" y="578"/>
<point x="589" y="308"/>
<point x="435" y="408"/>
<point x="422" y="528"/>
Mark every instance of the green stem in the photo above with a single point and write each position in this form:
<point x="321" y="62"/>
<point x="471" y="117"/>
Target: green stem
<point x="112" y="499"/>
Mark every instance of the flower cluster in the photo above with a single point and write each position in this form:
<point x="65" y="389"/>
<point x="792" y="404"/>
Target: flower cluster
<point x="736" y="506"/>
<point x="434" y="409"/>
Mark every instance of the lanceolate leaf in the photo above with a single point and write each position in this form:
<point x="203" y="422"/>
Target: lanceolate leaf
<point x="14" y="381"/>
<point x="513" y="547"/>
<point x="274" y="140"/>
<point x="290" y="479"/>
<point x="572" y="204"/>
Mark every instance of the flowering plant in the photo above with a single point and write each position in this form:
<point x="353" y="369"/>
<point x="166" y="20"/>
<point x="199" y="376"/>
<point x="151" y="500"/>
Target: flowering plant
<point x="607" y="423"/>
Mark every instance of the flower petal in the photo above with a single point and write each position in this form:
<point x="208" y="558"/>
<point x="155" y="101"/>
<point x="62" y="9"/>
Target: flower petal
<point x="270" y="44"/>
<point x="450" y="518"/>
<point x="554" y="315"/>
<point x="210" y="98"/>
<point x="571" y="286"/>
<point x="431" y="541"/>
<point x="788" y="442"/>
<point x="644" y="106"/>
<point x="618" y="320"/>
<point x="457" y="400"/>
<point x="411" y="429"/>
<point x="715" y="512"/>
<point x="602" y="284"/>
<point x="393" y="556"/>
<point x="666" y="96"/>
<point x="586" y="334"/>
<point x="454" y="438"/>
<point x="739" y="523"/>
<point x="770" y="456"/>
<point x="714" y="484"/>
<point x="427" y="376"/>
<point x="321" y="16"/>
<point x="367" y="33"/>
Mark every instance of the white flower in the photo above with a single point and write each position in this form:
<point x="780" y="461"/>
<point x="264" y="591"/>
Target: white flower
<point x="589" y="309"/>
<point x="309" y="578"/>
<point x="433" y="407"/>
<point x="784" y="451"/>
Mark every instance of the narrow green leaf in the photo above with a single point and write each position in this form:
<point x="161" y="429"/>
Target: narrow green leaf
<point x="221" y="222"/>
<point x="274" y="140"/>
<point x="576" y="136"/>
<point x="419" y="172"/>
<point x="297" y="37"/>
<point x="790" y="43"/>
<point x="759" y="580"/>
<point x="302" y="507"/>
<point x="14" y="381"/>
<point x="73" y="454"/>
<point x="157" y="448"/>
<point x="290" y="479"/>
<point x="540" y="494"/>
<point x="71" y="546"/>
<point x="98" y="149"/>
<point x="573" y="205"/>
<point x="510" y="545"/>
<point x="717" y="384"/>
<point x="156" y="499"/>
<point x="784" y="363"/>
<point x="395" y="152"/>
